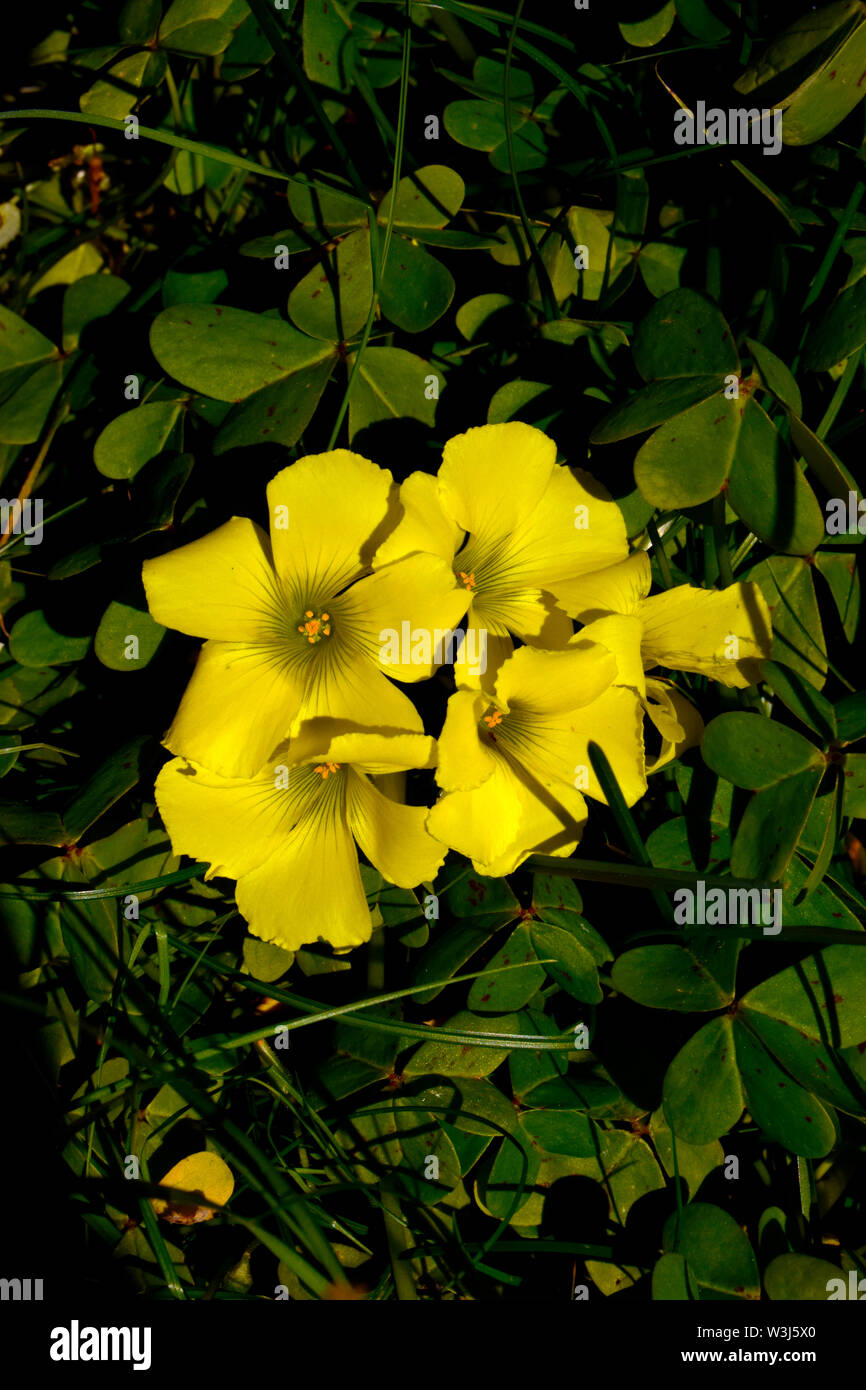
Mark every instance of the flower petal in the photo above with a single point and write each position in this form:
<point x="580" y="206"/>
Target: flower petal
<point x="507" y="818"/>
<point x="351" y="690"/>
<point x="617" y="589"/>
<point x="574" y="529"/>
<point x="481" y="655"/>
<point x="309" y="889"/>
<point x="405" y="615"/>
<point x="229" y="823"/>
<point x="328" y="514"/>
<point x="480" y="823"/>
<point x="547" y="684"/>
<point x="615" y="722"/>
<point x="222" y="585"/>
<point x="676" y="719"/>
<point x="722" y="633"/>
<point x="393" y="837"/>
<point x="423" y="526"/>
<point x="239" y="704"/>
<point x="621" y="634"/>
<point x="369" y="750"/>
<point x="493" y="476"/>
<point x="464" y="761"/>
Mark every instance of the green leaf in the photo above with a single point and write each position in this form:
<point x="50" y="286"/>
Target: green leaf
<point x="416" y="288"/>
<point x="329" y="51"/>
<point x="514" y="988"/>
<point x="840" y="332"/>
<point x="768" y="490"/>
<point x="798" y="637"/>
<point x="673" y="977"/>
<point x="23" y="415"/>
<point x="645" y="33"/>
<point x="131" y="440"/>
<point x="660" y="264"/>
<point x="703" y="1094"/>
<point x="427" y="198"/>
<point x="139" y="20"/>
<point x="832" y="87"/>
<point x="198" y="287"/>
<point x="201" y="28"/>
<point x="228" y="354"/>
<point x="392" y="384"/>
<point x="34" y="642"/>
<point x="718" y="1253"/>
<point x="119" y="92"/>
<point x="782" y="1109"/>
<point x="672" y="1280"/>
<point x="851" y="717"/>
<point x="771" y="826"/>
<point x="463" y="1059"/>
<point x="688" y="459"/>
<point x="327" y="210"/>
<point x="88" y="299"/>
<point x="694" y="1161"/>
<point x="567" y="961"/>
<point x="843" y="580"/>
<point x="422" y="1136"/>
<point x="802" y="699"/>
<point x="514" y="401"/>
<point x="20" y="347"/>
<point x="116" y="776"/>
<point x="754" y="752"/>
<point x="562" y="1132"/>
<point x="700" y="20"/>
<point x="119" y="624"/>
<point x="333" y="299"/>
<point x="684" y="334"/>
<point x="653" y="404"/>
<point x="776" y="376"/>
<point x="278" y="414"/>
<point x="800" y="1278"/>
<point x="472" y="315"/>
<point x="83" y="260"/>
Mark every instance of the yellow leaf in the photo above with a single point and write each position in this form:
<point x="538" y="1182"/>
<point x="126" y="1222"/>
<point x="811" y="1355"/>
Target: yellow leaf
<point x="206" y="1177"/>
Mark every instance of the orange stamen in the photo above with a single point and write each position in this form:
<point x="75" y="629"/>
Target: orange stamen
<point x="491" y="720"/>
<point x="468" y="579"/>
<point x="325" y="768"/>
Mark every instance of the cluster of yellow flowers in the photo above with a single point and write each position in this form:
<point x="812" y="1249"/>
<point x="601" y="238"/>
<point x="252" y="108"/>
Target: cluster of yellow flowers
<point x="292" y="711"/>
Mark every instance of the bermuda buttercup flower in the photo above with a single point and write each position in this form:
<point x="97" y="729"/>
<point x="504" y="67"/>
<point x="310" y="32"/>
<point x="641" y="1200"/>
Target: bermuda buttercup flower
<point x="291" y="841"/>
<point x="292" y="622"/>
<point x="723" y="634"/>
<point x="510" y="522"/>
<point x="507" y="758"/>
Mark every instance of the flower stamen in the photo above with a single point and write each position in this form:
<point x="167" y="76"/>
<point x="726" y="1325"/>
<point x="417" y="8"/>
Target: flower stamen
<point x="315" y="628"/>
<point x="324" y="768"/>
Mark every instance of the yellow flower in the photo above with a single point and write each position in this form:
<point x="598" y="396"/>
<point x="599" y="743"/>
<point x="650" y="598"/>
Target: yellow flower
<point x="507" y="759"/>
<point x="288" y="835"/>
<point x="723" y="634"/>
<point x="294" y="623"/>
<point x="527" y="523"/>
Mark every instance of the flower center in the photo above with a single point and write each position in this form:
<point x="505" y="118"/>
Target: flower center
<point x="325" y="768"/>
<point x="315" y="626"/>
<point x="467" y="578"/>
